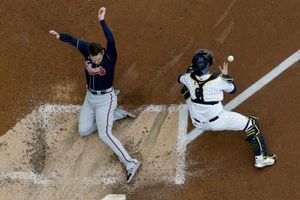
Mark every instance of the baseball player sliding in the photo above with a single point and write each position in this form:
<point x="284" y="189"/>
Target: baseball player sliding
<point x="203" y="92"/>
<point x="100" y="101"/>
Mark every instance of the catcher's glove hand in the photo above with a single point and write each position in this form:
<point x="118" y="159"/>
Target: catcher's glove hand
<point x="185" y="92"/>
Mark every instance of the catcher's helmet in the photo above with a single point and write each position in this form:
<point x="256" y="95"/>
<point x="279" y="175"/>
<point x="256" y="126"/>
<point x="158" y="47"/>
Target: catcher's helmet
<point x="202" y="59"/>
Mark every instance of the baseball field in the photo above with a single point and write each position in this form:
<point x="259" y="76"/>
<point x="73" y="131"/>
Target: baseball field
<point x="42" y="88"/>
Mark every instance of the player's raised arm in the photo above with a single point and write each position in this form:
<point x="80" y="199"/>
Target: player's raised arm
<point x="79" y="44"/>
<point x="230" y="87"/>
<point x="54" y="33"/>
<point x="111" y="47"/>
<point x="224" y="69"/>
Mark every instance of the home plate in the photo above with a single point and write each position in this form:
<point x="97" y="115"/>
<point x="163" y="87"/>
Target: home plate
<point x="115" y="197"/>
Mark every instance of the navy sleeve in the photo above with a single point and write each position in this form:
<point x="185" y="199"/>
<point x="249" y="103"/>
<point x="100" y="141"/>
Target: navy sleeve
<point x="79" y="44"/>
<point x="229" y="79"/>
<point x="234" y="89"/>
<point x="111" y="47"/>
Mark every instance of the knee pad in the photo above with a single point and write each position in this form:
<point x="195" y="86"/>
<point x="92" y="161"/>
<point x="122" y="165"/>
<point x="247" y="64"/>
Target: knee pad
<point x="252" y="127"/>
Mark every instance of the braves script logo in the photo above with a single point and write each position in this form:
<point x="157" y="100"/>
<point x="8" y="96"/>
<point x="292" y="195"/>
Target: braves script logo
<point x="94" y="71"/>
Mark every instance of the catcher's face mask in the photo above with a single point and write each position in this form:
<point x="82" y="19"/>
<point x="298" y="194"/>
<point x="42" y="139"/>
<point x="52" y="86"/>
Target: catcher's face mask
<point x="200" y="63"/>
<point x="202" y="59"/>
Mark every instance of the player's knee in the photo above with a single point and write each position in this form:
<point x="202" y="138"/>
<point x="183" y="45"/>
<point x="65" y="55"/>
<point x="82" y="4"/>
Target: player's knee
<point x="252" y="127"/>
<point x="84" y="131"/>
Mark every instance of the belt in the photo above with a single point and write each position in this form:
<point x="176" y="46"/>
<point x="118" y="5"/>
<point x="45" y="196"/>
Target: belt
<point x="205" y="102"/>
<point x="100" y="92"/>
<point x="211" y="120"/>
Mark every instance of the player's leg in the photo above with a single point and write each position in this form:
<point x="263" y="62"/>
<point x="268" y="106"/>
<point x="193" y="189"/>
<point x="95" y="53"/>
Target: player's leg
<point x="237" y="122"/>
<point x="229" y="121"/>
<point x="104" y="120"/>
<point x="87" y="120"/>
<point x="256" y="139"/>
<point x="121" y="114"/>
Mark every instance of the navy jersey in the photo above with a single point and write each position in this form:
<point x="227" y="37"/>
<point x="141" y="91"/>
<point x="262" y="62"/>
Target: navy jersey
<point x="98" y="77"/>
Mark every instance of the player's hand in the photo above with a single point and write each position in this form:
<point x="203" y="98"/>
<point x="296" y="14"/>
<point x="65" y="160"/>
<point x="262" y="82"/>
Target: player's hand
<point x="101" y="13"/>
<point x="52" y="32"/>
<point x="224" y="69"/>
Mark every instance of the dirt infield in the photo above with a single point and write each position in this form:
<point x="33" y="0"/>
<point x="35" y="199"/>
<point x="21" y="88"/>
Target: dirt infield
<point x="45" y="158"/>
<point x="155" y="42"/>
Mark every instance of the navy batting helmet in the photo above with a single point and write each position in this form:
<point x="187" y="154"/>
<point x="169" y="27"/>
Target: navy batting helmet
<point x="202" y="59"/>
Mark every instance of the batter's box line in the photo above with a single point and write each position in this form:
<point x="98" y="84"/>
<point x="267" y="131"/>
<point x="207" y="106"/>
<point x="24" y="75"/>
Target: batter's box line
<point x="19" y="175"/>
<point x="181" y="144"/>
<point x="53" y="179"/>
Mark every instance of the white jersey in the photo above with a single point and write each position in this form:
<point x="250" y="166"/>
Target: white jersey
<point x="212" y="91"/>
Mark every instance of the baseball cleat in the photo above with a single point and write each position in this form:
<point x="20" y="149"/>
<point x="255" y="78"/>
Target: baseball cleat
<point x="263" y="161"/>
<point x="131" y="115"/>
<point x="131" y="171"/>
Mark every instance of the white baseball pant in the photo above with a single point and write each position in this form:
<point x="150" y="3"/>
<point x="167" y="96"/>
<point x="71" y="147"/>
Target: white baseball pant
<point x="227" y="120"/>
<point x="97" y="112"/>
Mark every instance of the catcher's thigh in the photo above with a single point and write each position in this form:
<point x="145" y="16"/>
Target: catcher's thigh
<point x="229" y="121"/>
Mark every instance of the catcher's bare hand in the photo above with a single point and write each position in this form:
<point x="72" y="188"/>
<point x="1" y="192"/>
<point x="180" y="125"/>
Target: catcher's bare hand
<point x="52" y="32"/>
<point x="224" y="69"/>
<point x="101" y="13"/>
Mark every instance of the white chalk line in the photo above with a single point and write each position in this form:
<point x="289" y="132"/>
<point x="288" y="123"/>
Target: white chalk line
<point x="181" y="145"/>
<point x="40" y="180"/>
<point x="44" y="111"/>
<point x="252" y="89"/>
<point x="161" y="108"/>
<point x="181" y="136"/>
<point x="18" y="175"/>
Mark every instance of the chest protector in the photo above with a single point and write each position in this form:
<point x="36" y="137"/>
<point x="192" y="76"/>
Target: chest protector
<point x="199" y="89"/>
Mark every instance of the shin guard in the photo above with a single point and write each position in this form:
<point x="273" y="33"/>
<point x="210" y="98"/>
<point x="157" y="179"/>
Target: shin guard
<point x="255" y="137"/>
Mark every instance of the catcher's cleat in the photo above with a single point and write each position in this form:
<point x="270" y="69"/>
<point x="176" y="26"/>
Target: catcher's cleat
<point x="265" y="160"/>
<point x="131" y="171"/>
